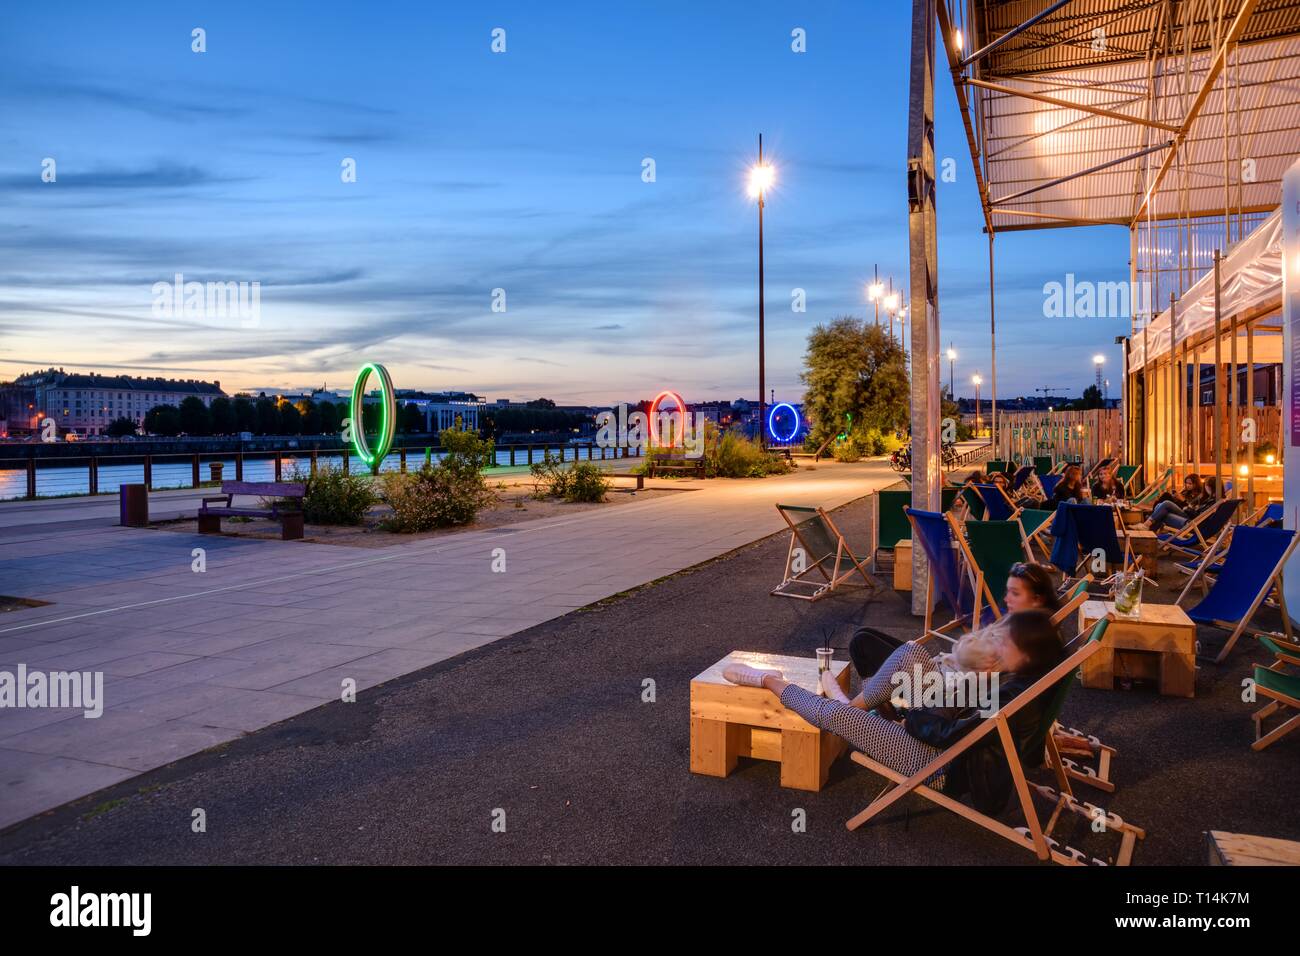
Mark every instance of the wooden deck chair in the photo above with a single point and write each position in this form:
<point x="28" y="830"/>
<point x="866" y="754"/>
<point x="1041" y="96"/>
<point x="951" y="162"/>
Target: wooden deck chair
<point x="815" y="543"/>
<point x="998" y="506"/>
<point x="1023" y="474"/>
<point x="1043" y="464"/>
<point x="1285" y="650"/>
<point x="1283" y="694"/>
<point x="948" y="580"/>
<point x="1252" y="568"/>
<point x="1269" y="516"/>
<point x="1194" y="538"/>
<point x="1154" y="490"/>
<point x="1034" y="836"/>
<point x="995" y="465"/>
<point x="992" y="548"/>
<point x="1072" y="600"/>
<point x="1081" y="530"/>
<point x="1073" y="746"/>
<point x="1048" y="483"/>
<point x="889" y="525"/>
<point x="1127" y="474"/>
<point x="1035" y="523"/>
<point x="973" y="504"/>
<point x="1097" y="469"/>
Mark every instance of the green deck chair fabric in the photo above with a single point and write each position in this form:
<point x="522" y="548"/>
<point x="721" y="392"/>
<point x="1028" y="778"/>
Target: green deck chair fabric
<point x="1032" y="519"/>
<point x="996" y="546"/>
<point x="1125" y="474"/>
<point x="974" y="502"/>
<point x="994" y="465"/>
<point x="1043" y="464"/>
<point x="1286" y="684"/>
<point x="894" y="526"/>
<point x="947" y="498"/>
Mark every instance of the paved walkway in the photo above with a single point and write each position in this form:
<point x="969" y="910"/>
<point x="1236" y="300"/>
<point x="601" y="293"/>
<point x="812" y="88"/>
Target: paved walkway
<point x="272" y="629"/>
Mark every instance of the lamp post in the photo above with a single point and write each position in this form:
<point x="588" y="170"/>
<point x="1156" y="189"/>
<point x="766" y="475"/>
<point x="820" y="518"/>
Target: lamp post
<point x="952" y="363"/>
<point x="760" y="180"/>
<point x="976" y="379"/>
<point x="1098" y="361"/>
<point x="875" y="291"/>
<point x="891" y="307"/>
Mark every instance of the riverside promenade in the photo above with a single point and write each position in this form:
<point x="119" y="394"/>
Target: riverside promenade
<point x="272" y="629"/>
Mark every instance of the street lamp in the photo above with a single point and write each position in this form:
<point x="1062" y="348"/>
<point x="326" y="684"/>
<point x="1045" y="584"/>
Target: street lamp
<point x="761" y="176"/>
<point x="875" y="291"/>
<point x="891" y="308"/>
<point x="977" y="380"/>
<point x="1098" y="361"/>
<point x="952" y="362"/>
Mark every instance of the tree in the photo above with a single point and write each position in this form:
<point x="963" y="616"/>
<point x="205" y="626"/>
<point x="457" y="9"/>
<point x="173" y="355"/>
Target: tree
<point x="164" y="420"/>
<point x="329" y="418"/>
<point x="223" y="416"/>
<point x="120" y="427"/>
<point x="855" y="380"/>
<point x="310" y="413"/>
<point x="290" y="419"/>
<point x="245" y="414"/>
<point x="195" y="417"/>
<point x="1091" y="398"/>
<point x="268" y="417"/>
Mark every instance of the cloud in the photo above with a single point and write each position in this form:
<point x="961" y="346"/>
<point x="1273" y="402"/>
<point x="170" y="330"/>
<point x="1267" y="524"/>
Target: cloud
<point x="161" y="175"/>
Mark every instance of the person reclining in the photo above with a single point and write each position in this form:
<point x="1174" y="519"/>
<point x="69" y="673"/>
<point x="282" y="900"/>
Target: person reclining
<point x="1017" y="650"/>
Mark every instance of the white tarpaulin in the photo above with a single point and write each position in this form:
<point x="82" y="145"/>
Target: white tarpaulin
<point x="1250" y="276"/>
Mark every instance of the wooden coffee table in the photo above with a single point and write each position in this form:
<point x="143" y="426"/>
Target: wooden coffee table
<point x="1160" y="644"/>
<point x="729" y="722"/>
<point x="1146" y="549"/>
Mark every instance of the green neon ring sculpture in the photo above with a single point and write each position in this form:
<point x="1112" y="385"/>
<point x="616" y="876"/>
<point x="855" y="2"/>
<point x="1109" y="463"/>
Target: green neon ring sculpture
<point x="387" y="416"/>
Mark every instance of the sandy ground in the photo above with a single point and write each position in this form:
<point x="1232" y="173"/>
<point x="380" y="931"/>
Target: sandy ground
<point x="515" y="504"/>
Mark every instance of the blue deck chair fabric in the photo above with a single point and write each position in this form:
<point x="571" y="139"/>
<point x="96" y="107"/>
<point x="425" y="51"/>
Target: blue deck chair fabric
<point x="1247" y="570"/>
<point x="1272" y="516"/>
<point x="995" y="503"/>
<point x="1209" y="528"/>
<point x="1021" y="476"/>
<point x="1094" y="526"/>
<point x="1065" y="540"/>
<point x="1049" y="483"/>
<point x="950" y="584"/>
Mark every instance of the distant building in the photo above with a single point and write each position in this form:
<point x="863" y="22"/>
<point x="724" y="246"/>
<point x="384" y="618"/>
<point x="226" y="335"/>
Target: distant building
<point x="88" y="402"/>
<point x="441" y="409"/>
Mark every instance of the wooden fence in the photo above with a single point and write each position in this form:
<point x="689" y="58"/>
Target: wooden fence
<point x="1088" y="436"/>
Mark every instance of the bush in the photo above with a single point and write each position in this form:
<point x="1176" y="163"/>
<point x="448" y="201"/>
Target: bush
<point x="451" y="492"/>
<point x="735" y="456"/>
<point x="850" y="449"/>
<point x="335" y="496"/>
<point x="583" y="481"/>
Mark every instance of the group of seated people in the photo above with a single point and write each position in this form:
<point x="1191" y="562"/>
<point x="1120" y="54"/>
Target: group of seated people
<point x="1175" y="509"/>
<point x="1070" y="489"/>
<point x="1021" y="647"/>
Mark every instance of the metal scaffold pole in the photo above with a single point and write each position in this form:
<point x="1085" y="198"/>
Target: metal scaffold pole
<point x="924" y="304"/>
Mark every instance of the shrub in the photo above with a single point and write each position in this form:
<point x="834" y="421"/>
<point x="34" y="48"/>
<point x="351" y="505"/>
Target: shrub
<point x="586" y="483"/>
<point x="735" y="456"/>
<point x="848" y="450"/>
<point x="335" y="496"/>
<point x="451" y="492"/>
<point x="582" y="481"/>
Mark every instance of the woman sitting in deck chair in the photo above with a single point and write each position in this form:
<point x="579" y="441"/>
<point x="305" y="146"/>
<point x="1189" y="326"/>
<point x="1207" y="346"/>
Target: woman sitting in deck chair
<point x="1029" y="587"/>
<point x="1068" y="490"/>
<point x="1107" y="487"/>
<point x="1020" y="648"/>
<point x="1176" y="510"/>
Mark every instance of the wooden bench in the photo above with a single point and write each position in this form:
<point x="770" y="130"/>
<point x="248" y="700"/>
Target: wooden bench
<point x="1240" y="849"/>
<point x="637" y="476"/>
<point x="290" y="519"/>
<point x="657" y="464"/>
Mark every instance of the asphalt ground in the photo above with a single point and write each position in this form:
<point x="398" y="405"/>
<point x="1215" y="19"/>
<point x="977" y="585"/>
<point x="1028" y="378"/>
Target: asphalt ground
<point x="549" y="732"/>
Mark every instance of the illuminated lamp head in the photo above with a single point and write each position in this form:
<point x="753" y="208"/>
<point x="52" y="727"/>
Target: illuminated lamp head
<point x="679" y="437"/>
<point x="373" y="457"/>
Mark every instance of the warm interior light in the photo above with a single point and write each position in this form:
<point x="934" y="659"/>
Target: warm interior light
<point x="1270" y="459"/>
<point x="957" y="40"/>
<point x="1243" y="470"/>
<point x="760" y="179"/>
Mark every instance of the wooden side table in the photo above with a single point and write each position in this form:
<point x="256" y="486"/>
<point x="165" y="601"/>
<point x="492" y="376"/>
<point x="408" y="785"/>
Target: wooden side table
<point x="1160" y="644"/>
<point x="729" y="721"/>
<point x="1146" y="548"/>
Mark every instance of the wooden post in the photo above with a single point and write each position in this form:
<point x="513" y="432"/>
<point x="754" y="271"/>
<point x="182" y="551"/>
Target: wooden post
<point x="1250" y="410"/>
<point x="277" y="466"/>
<point x="346" y="462"/>
<point x="239" y="465"/>
<point x="31" y="474"/>
<point x="92" y="479"/>
<point x="148" y="472"/>
<point x="194" y="471"/>
<point x="1218" y="383"/>
<point x="401" y="459"/>
<point x="1234" y="398"/>
<point x="1196" y="413"/>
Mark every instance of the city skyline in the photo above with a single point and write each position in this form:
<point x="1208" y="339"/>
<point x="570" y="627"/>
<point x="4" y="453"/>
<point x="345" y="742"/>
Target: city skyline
<point x="478" y="171"/>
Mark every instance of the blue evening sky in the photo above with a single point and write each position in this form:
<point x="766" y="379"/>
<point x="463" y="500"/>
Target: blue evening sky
<point x="476" y="171"/>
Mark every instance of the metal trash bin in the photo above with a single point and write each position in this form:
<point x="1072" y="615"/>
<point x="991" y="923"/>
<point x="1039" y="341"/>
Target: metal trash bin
<point x="134" y="506"/>
<point x="214" y="470"/>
